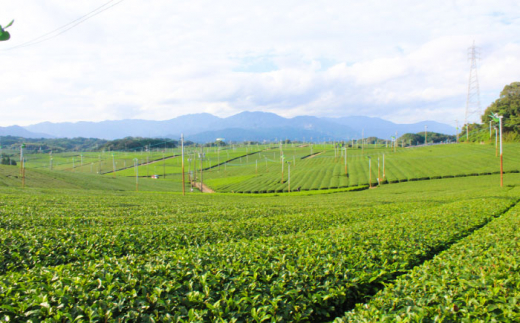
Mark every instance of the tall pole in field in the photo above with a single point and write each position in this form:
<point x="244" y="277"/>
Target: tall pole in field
<point x="346" y="164"/>
<point x="369" y="172"/>
<point x="496" y="142"/>
<point x="289" y="174"/>
<point x="22" y="165"/>
<point x="395" y="141"/>
<point x="457" y="122"/>
<point x="362" y="141"/>
<point x="182" y="164"/>
<point x="113" y="166"/>
<point x="282" y="157"/>
<point x="498" y="119"/>
<point x="378" y="172"/>
<point x="501" y="156"/>
<point x="136" y="167"/>
<point x="201" y="168"/>
<point x="384" y="175"/>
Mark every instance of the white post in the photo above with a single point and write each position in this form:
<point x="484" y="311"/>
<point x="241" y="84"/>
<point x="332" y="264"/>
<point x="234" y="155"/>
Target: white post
<point x="182" y="164"/>
<point x="501" y="157"/>
<point x="384" y="166"/>
<point x="289" y="179"/>
<point x="136" y="166"/>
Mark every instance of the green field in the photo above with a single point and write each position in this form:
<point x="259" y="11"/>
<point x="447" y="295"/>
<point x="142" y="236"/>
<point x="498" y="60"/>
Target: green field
<point x="77" y="246"/>
<point x="327" y="170"/>
<point x="104" y="255"/>
<point x="258" y="168"/>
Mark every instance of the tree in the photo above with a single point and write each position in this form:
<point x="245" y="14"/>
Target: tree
<point x="508" y="105"/>
<point x="6" y="160"/>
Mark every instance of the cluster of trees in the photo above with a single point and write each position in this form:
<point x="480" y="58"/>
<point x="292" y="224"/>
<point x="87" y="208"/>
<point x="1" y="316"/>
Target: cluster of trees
<point x="56" y="145"/>
<point x="6" y="160"/>
<point x="138" y="143"/>
<point x="508" y="106"/>
<point x="87" y="144"/>
<point x="419" y="138"/>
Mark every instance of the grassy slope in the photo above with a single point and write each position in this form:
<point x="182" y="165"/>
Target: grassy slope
<point x="37" y="178"/>
<point x="142" y="227"/>
<point x="327" y="171"/>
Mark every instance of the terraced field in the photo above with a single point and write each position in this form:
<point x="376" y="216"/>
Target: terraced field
<point x="117" y="256"/>
<point x="327" y="170"/>
<point x="259" y="168"/>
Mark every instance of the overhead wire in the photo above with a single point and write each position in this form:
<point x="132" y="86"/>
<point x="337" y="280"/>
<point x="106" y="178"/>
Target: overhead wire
<point x="58" y="31"/>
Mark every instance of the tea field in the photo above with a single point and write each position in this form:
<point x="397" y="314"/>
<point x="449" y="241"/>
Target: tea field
<point x="442" y="250"/>
<point x="288" y="167"/>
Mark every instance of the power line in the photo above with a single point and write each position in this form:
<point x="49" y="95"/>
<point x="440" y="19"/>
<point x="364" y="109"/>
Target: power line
<point x="58" y="31"/>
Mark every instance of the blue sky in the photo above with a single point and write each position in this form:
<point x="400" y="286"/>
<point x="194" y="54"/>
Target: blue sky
<point x="404" y="61"/>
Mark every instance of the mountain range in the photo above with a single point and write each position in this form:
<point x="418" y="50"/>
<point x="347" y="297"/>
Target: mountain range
<point x="204" y="127"/>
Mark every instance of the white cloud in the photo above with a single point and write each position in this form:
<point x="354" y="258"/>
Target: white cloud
<point x="402" y="60"/>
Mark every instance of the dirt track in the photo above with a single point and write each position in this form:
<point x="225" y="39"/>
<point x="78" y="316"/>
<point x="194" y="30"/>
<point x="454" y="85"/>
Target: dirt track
<point x="205" y="188"/>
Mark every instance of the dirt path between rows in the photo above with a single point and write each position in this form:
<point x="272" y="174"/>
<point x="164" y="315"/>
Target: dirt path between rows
<point x="143" y="164"/>
<point x="205" y="188"/>
<point x="314" y="155"/>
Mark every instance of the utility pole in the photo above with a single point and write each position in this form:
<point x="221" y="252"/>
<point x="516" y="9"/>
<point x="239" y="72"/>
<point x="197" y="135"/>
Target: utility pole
<point x="457" y="122"/>
<point x="22" y="165"/>
<point x="201" y="167"/>
<point x="473" y="98"/>
<point x="362" y="141"/>
<point x="182" y="149"/>
<point x="395" y="142"/>
<point x="369" y="172"/>
<point x="496" y="142"/>
<point x="501" y="156"/>
<point x="346" y="163"/>
<point x="289" y="174"/>
<point x="384" y="175"/>
<point x="136" y="167"/>
<point x="378" y="173"/>
<point x="113" y="166"/>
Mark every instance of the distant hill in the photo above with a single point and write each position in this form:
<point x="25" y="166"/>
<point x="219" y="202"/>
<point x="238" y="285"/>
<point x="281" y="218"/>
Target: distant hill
<point x="256" y="126"/>
<point x="268" y="134"/>
<point x="17" y="131"/>
<point x="115" y="129"/>
<point x="381" y="128"/>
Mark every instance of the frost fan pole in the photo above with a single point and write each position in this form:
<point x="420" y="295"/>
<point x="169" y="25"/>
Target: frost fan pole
<point x="289" y="179"/>
<point x="346" y="170"/>
<point x="501" y="156"/>
<point x="369" y="172"/>
<point x="22" y="165"/>
<point x="182" y="149"/>
<point x="384" y="176"/>
<point x="498" y="119"/>
<point x="136" y="166"/>
<point x="496" y="142"/>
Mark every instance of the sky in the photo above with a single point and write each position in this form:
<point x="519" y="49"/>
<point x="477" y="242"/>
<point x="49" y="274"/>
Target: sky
<point x="403" y="60"/>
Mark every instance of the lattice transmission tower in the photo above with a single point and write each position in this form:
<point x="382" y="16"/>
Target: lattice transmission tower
<point x="473" y="99"/>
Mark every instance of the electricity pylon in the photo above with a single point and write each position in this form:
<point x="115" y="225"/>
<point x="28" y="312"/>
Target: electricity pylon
<point x="473" y="99"/>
